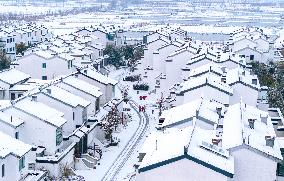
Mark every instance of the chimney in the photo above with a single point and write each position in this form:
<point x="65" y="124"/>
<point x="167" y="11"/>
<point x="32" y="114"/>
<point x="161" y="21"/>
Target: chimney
<point x="223" y="79"/>
<point x="48" y="91"/>
<point x="269" y="141"/>
<point x="34" y="98"/>
<point x="219" y="110"/>
<point x="216" y="141"/>
<point x="156" y="144"/>
<point x="251" y="123"/>
<point x="263" y="119"/>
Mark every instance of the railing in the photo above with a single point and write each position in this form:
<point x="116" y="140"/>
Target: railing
<point x="90" y="158"/>
<point x="88" y="163"/>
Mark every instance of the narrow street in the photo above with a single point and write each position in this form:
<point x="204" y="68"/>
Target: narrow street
<point x="130" y="147"/>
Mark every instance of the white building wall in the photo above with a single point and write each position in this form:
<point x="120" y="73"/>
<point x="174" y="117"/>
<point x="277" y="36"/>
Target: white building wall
<point x="247" y="52"/>
<point x="151" y="48"/>
<point x="249" y="95"/>
<point x="228" y="64"/>
<point x="159" y="62"/>
<point x="54" y="66"/>
<point x="12" y="172"/>
<point x="250" y="166"/>
<point x="108" y="94"/>
<point x="244" y="43"/>
<point x="208" y="93"/>
<point x="37" y="132"/>
<point x="55" y="169"/>
<point x="182" y="170"/>
<point x="69" y="126"/>
<point x="262" y="45"/>
<point x="173" y="69"/>
<point x="77" y="92"/>
<point x="102" y="37"/>
<point x="11" y="131"/>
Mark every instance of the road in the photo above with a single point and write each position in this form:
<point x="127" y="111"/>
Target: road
<point x="130" y="146"/>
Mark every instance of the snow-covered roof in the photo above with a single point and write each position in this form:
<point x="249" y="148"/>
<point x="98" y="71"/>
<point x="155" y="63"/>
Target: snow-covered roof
<point x="66" y="56"/>
<point x="83" y="86"/>
<point x="44" y="54"/>
<point x="22" y="87"/>
<point x="98" y="76"/>
<point x="240" y="75"/>
<point x="65" y="96"/>
<point x="210" y="67"/>
<point x="177" y="115"/>
<point x="237" y="131"/>
<point x="13" y="76"/>
<point x="202" y="109"/>
<point x="204" y="80"/>
<point x="9" y="145"/>
<point x="188" y="143"/>
<point x="41" y="111"/>
<point x="11" y="120"/>
<point x="156" y="145"/>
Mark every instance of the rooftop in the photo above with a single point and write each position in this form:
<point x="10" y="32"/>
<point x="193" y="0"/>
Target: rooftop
<point x="13" y="76"/>
<point x="65" y="96"/>
<point x="98" y="76"/>
<point x="206" y="79"/>
<point x="11" y="120"/>
<point x="83" y="86"/>
<point x="237" y="130"/>
<point x="9" y="145"/>
<point x="41" y="111"/>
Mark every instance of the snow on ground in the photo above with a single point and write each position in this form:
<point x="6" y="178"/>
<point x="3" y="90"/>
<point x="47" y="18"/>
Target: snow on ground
<point x="111" y="153"/>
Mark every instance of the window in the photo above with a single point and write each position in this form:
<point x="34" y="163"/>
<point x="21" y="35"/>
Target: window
<point x="254" y="81"/>
<point x="73" y="116"/>
<point x="17" y="135"/>
<point x="69" y="64"/>
<point x="11" y="49"/>
<point x="13" y="97"/>
<point x="43" y="65"/>
<point x="59" y="137"/>
<point x="7" y="40"/>
<point x="242" y="56"/>
<point x="20" y="95"/>
<point x="11" y="39"/>
<point x="22" y="163"/>
<point x="251" y="57"/>
<point x="3" y="170"/>
<point x="98" y="104"/>
<point x="44" y="77"/>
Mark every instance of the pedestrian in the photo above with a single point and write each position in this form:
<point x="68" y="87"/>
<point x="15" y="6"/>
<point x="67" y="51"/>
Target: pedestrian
<point x="152" y="111"/>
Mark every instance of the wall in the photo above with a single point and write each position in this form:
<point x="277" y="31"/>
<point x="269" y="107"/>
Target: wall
<point x="249" y="95"/>
<point x="69" y="126"/>
<point x="36" y="132"/>
<point x="250" y="166"/>
<point x="208" y="93"/>
<point x="77" y="92"/>
<point x="12" y="166"/>
<point x="55" y="168"/>
<point x="182" y="170"/>
<point x="54" y="66"/>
